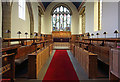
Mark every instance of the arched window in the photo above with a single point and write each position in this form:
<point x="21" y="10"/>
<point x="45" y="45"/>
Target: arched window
<point x="61" y="19"/>
<point x="21" y="5"/>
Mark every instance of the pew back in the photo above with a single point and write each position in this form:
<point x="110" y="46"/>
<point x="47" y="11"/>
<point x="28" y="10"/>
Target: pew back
<point x="24" y="50"/>
<point x="87" y="60"/>
<point x="37" y="60"/>
<point x="102" y="51"/>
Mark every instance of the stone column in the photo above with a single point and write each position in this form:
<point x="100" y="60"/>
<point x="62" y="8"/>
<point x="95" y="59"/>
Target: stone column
<point x="39" y="23"/>
<point x="31" y="19"/>
<point x="6" y="19"/>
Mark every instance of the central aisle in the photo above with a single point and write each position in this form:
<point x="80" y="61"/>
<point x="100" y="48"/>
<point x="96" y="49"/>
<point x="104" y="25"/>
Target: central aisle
<point x="60" y="67"/>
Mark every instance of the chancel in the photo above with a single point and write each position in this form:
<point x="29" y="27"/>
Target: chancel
<point x="65" y="40"/>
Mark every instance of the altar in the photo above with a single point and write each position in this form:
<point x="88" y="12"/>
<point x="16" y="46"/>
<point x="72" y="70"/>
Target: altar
<point x="61" y="39"/>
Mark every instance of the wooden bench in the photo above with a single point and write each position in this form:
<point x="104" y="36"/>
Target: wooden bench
<point x="87" y="60"/>
<point x="37" y="60"/>
<point x="102" y="51"/>
<point x="22" y="53"/>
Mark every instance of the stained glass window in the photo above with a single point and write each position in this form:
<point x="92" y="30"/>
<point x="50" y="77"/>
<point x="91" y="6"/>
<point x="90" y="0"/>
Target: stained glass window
<point x="61" y="19"/>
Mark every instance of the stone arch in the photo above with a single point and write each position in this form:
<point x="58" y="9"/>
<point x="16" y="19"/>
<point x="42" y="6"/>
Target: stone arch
<point x="61" y="4"/>
<point x="31" y="18"/>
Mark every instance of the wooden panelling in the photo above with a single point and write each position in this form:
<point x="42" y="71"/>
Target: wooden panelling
<point x="48" y="37"/>
<point x="41" y="59"/>
<point x="51" y="48"/>
<point x="115" y="63"/>
<point x="73" y="38"/>
<point x="113" y="78"/>
<point x="61" y="44"/>
<point x="61" y="34"/>
<point x="72" y="48"/>
<point x="28" y="42"/>
<point x="87" y="60"/>
<point x="40" y="46"/>
<point x="37" y="60"/>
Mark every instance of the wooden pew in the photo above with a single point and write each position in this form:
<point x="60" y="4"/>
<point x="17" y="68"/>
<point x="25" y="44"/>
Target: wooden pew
<point x="101" y="51"/>
<point x="22" y="53"/>
<point x="87" y="60"/>
<point x="114" y="71"/>
<point x="28" y="42"/>
<point x="37" y="60"/>
<point x="72" y="48"/>
<point x="8" y="66"/>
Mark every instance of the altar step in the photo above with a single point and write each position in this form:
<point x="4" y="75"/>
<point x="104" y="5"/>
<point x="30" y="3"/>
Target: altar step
<point x="61" y="45"/>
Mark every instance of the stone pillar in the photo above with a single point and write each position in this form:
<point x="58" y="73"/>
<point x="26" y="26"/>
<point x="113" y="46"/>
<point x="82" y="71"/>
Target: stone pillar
<point x="6" y="19"/>
<point x="31" y="19"/>
<point x="31" y="29"/>
<point x="39" y="23"/>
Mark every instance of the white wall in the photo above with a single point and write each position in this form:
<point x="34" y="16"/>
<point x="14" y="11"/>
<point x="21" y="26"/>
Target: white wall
<point x="18" y="24"/>
<point x="35" y="14"/>
<point x="42" y="25"/>
<point x="0" y="19"/>
<point x="119" y="17"/>
<point x="109" y="19"/>
<point x="89" y="13"/>
<point x="80" y="24"/>
<point x="95" y="16"/>
<point x="47" y="23"/>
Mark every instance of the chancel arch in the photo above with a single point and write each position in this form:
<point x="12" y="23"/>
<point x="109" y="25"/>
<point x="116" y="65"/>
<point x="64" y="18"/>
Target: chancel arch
<point x="48" y="16"/>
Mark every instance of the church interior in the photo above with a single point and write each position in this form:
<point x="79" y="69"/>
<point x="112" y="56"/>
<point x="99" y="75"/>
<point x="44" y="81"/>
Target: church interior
<point x="59" y="41"/>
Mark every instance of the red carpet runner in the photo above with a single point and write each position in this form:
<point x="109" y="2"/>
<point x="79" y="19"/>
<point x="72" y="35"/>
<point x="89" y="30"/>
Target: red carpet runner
<point x="60" y="67"/>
